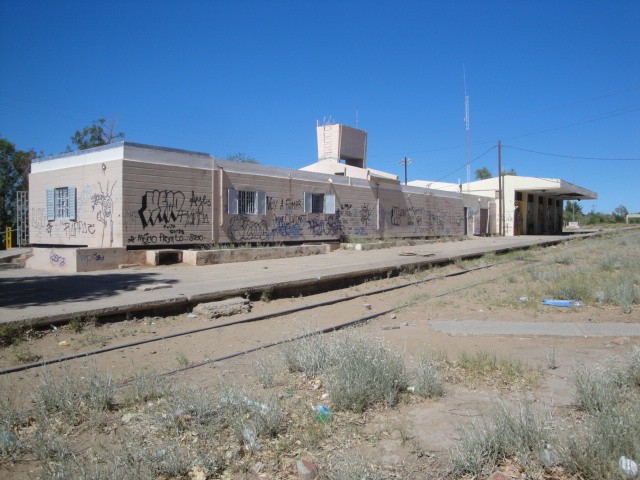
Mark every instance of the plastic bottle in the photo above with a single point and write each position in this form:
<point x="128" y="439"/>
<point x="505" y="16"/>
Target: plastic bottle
<point x="323" y="414"/>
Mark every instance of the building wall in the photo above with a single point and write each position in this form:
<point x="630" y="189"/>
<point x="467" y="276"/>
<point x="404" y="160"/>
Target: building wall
<point x="98" y="202"/>
<point x="420" y="214"/>
<point x="285" y="218"/>
<point x="166" y="205"/>
<point x="137" y="203"/>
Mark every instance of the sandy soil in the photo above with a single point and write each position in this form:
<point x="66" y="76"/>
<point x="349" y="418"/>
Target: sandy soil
<point x="415" y="435"/>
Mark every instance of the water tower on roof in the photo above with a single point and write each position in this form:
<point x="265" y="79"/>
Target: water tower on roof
<point x="342" y="143"/>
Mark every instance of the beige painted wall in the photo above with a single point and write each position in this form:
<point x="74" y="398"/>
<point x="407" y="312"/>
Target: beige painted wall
<point x="98" y="221"/>
<point x="169" y="205"/>
<point x="166" y="205"/>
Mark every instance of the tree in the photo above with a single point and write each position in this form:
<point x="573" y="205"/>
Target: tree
<point x="15" y="166"/>
<point x="483" y="173"/>
<point x="509" y="172"/>
<point x="572" y="210"/>
<point x="242" y="158"/>
<point x="620" y="213"/>
<point x="96" y="135"/>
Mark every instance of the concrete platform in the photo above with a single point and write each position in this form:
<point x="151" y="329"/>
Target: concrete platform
<point x="42" y="298"/>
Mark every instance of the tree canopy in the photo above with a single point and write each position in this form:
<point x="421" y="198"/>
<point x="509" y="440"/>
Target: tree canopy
<point x="15" y="166"/>
<point x="97" y="134"/>
<point x="483" y="173"/>
<point x="242" y="158"/>
<point x="620" y="212"/>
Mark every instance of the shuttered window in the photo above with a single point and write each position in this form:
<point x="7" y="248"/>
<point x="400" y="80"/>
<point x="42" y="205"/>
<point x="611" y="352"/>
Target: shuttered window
<point x="246" y="202"/>
<point x="61" y="203"/>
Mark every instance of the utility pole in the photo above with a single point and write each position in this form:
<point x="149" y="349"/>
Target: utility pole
<point x="500" y="191"/>
<point x="406" y="162"/>
<point x="466" y="124"/>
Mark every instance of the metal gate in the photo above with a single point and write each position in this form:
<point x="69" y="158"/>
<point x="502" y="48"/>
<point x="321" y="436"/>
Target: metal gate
<point x="484" y="221"/>
<point x="22" y="218"/>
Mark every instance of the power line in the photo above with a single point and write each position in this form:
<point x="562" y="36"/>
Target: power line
<point x="604" y="116"/>
<point x="606" y="159"/>
<point x="464" y="165"/>
<point x="580" y="102"/>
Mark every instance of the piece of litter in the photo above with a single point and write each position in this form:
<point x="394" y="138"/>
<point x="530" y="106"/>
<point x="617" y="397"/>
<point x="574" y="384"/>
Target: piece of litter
<point x="562" y="303"/>
<point x="191" y="315"/>
<point x="390" y="327"/>
<point x="323" y="414"/>
<point x="153" y="286"/>
<point x="628" y="467"/>
<point x="63" y="343"/>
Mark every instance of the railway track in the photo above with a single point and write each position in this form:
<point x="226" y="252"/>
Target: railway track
<point x="475" y="276"/>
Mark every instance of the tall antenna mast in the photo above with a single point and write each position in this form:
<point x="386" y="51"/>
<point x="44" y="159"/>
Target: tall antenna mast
<point x="466" y="124"/>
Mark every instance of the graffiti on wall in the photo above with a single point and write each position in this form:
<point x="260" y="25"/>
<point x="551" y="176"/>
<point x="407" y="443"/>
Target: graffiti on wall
<point x="329" y="225"/>
<point x="284" y="204"/>
<point x="57" y="260"/>
<point x="356" y="219"/>
<point x="424" y="221"/>
<point x="103" y="203"/>
<point x="168" y="238"/>
<point x="164" y="207"/>
<point x="85" y="258"/>
<point x="288" y="225"/>
<point x="243" y="229"/>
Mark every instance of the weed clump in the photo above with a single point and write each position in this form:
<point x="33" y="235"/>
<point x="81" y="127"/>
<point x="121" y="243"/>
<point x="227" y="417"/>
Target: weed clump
<point x="363" y="372"/>
<point x="309" y="355"/>
<point x="502" y="434"/>
<point x="429" y="381"/>
<point x="144" y="387"/>
<point x="249" y="416"/>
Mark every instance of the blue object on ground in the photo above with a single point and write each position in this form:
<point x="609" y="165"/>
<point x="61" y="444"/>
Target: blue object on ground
<point x="323" y="413"/>
<point x="562" y="303"/>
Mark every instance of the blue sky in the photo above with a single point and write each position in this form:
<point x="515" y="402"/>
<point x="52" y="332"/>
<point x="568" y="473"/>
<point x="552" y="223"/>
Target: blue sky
<point x="556" y="77"/>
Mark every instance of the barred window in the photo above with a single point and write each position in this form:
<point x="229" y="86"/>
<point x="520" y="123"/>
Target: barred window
<point x="247" y="202"/>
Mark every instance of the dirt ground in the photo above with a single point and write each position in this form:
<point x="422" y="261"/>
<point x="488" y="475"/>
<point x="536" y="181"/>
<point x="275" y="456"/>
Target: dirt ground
<point x="411" y="438"/>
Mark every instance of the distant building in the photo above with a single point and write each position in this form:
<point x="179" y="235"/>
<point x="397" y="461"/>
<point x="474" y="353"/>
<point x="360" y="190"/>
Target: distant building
<point x="532" y="205"/>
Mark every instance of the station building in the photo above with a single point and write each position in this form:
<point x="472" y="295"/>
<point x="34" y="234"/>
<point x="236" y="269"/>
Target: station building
<point x="532" y="205"/>
<point x="107" y="206"/>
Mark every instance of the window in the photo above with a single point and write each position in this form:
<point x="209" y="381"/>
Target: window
<point x="246" y="202"/>
<point x="61" y="203"/>
<point x="319" y="203"/>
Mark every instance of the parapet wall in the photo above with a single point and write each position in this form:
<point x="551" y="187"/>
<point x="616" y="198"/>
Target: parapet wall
<point x="73" y="260"/>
